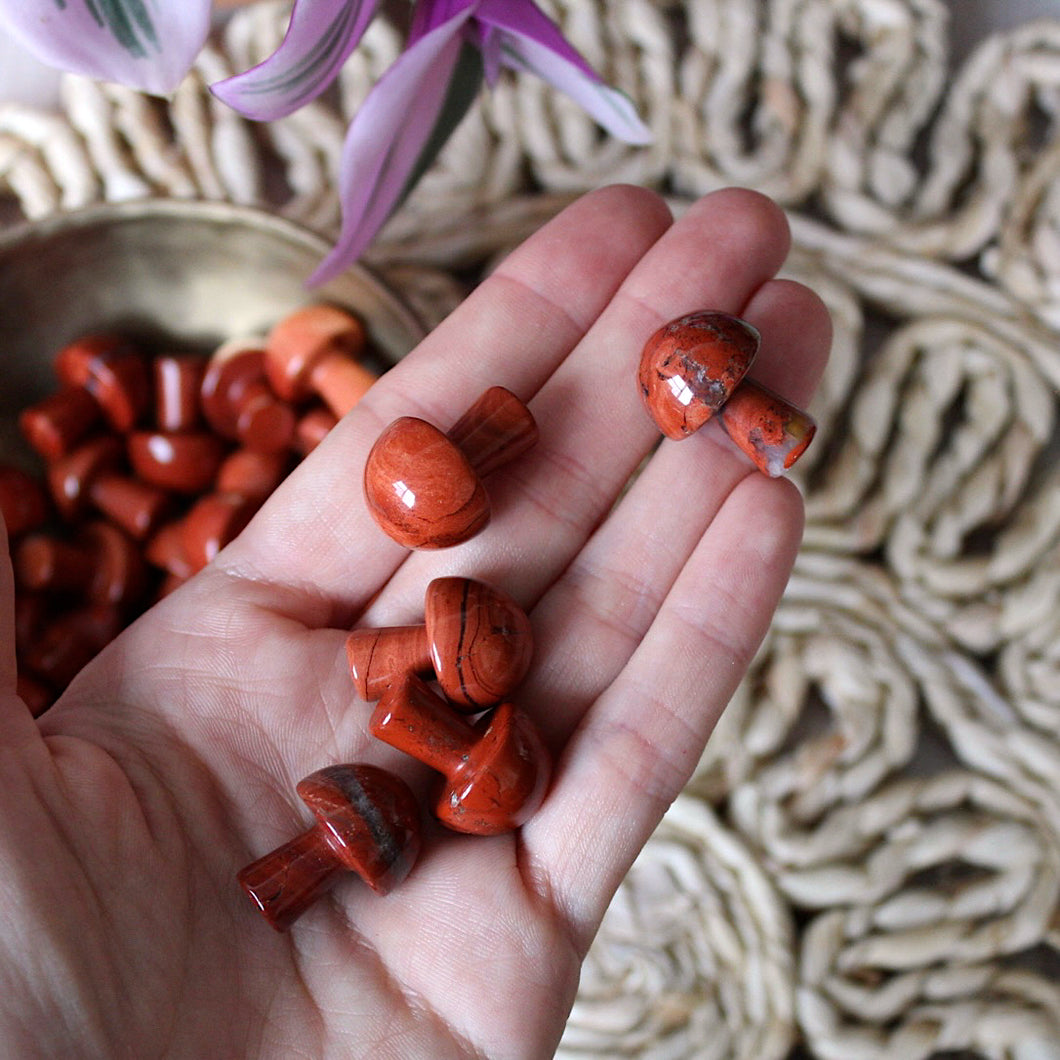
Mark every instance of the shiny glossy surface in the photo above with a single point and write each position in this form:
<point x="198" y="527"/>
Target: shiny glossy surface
<point x="165" y="550"/>
<point x="211" y="523"/>
<point x="118" y="267"/>
<point x="480" y="641"/>
<point x="54" y="425"/>
<point x="771" y="431"/>
<point x="251" y="473"/>
<point x="691" y="366"/>
<point x="313" y="428"/>
<point x="102" y="564"/>
<point x="90" y="475"/>
<point x="475" y="639"/>
<point x="495" y="430"/>
<point x="424" y="488"/>
<point x="182" y="463"/>
<point x="367" y="822"/>
<point x="495" y="771"/>
<point x="238" y="403"/>
<point x="113" y="371"/>
<point x="316" y="350"/>
<point x="177" y="382"/>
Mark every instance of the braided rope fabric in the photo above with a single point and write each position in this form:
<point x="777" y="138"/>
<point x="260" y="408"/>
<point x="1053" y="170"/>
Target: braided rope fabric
<point x="866" y="863"/>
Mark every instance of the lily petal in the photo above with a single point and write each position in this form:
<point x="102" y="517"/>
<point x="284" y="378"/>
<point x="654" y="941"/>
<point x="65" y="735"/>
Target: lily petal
<point x="319" y="39"/>
<point x="145" y="44"/>
<point x="531" y="41"/>
<point x="387" y="137"/>
<point x="430" y="14"/>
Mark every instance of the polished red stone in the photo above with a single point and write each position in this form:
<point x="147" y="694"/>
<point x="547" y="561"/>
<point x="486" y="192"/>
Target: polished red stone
<point x="23" y="504"/>
<point x="251" y="473"/>
<point x="367" y="822"/>
<point x="71" y="640"/>
<point x="92" y="474"/>
<point x="178" y="383"/>
<point x="58" y="422"/>
<point x="495" y="771"/>
<point x="315" y="351"/>
<point x="313" y="428"/>
<point x="113" y="371"/>
<point x="102" y="564"/>
<point x="771" y="431"/>
<point x="238" y="402"/>
<point x="691" y="366"/>
<point x="212" y="522"/>
<point x="182" y="463"/>
<point x="424" y="488"/>
<point x="165" y="550"/>
<point x="475" y="639"/>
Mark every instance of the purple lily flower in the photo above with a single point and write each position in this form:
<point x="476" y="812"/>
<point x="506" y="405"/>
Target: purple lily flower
<point x="146" y="44"/>
<point x="409" y="113"/>
<point x="453" y="45"/>
<point x="320" y="38"/>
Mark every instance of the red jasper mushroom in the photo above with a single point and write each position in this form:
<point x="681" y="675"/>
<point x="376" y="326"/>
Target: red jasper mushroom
<point x="771" y="431"/>
<point x="103" y="376"/>
<point x="475" y="638"/>
<point x="494" y="771"/>
<point x="690" y="367"/>
<point x="238" y="402"/>
<point x="103" y="564"/>
<point x="367" y="822"/>
<point x="178" y="384"/>
<point x="180" y="462"/>
<point x="92" y="474"/>
<point x="695" y="368"/>
<point x="315" y="351"/>
<point x="424" y="488"/>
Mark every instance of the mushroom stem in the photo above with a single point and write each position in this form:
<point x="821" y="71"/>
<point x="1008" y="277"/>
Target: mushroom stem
<point x="496" y="429"/>
<point x="288" y="880"/>
<point x="379" y="656"/>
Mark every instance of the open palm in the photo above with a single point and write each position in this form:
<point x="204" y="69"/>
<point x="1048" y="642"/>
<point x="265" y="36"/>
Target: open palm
<point x="170" y="763"/>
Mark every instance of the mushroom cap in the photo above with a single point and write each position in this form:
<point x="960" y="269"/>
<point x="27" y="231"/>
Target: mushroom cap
<point x="70" y="477"/>
<point x="369" y="819"/>
<point x="302" y="339"/>
<point x="502" y="782"/>
<point x="181" y="462"/>
<point x="480" y="641"/>
<point x="111" y="369"/>
<point x="690" y="367"/>
<point x="56" y="423"/>
<point x="211" y="522"/>
<point x="236" y="399"/>
<point x="119" y="573"/>
<point x="421" y="489"/>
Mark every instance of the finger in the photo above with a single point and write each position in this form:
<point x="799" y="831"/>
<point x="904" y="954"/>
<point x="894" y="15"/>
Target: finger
<point x="315" y="536"/>
<point x="636" y="747"/>
<point x="796" y="330"/>
<point x="594" y="431"/>
<point x="589" y="623"/>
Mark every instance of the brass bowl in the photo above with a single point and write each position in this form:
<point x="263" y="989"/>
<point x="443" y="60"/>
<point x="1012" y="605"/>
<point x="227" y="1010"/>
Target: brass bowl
<point x="176" y="274"/>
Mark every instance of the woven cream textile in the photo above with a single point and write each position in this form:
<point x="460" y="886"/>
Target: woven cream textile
<point x="867" y="862"/>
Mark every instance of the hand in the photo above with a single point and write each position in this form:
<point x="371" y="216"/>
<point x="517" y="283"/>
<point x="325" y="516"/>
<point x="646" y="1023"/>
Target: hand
<point x="171" y="761"/>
